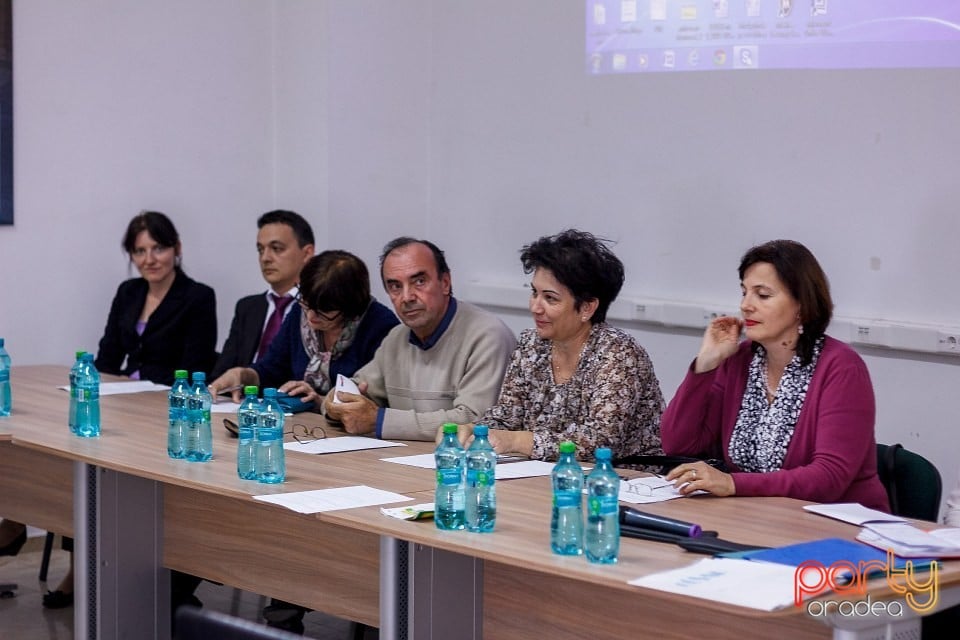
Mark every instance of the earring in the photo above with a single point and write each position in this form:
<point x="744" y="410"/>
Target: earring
<point x="800" y="330"/>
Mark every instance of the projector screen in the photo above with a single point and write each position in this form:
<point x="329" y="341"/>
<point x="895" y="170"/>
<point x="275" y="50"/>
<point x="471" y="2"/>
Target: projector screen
<point x="642" y="36"/>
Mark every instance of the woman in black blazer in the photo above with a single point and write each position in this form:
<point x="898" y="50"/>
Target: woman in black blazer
<point x="163" y="320"/>
<point x="158" y="323"/>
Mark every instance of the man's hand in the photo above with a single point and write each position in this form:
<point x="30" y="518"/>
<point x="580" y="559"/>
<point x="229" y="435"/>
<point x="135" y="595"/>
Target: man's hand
<point x="358" y="413"/>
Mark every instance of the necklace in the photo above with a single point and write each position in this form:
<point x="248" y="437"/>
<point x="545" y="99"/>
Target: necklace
<point x="771" y="393"/>
<point x="558" y="376"/>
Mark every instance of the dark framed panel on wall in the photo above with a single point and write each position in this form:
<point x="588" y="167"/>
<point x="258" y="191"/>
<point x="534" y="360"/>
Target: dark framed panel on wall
<point x="6" y="112"/>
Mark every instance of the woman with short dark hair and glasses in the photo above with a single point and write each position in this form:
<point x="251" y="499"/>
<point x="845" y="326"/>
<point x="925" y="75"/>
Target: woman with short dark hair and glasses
<point x="334" y="330"/>
<point x="789" y="409"/>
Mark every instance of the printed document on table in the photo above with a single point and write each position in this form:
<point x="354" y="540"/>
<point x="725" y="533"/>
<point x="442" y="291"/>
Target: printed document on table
<point x="523" y="469"/>
<point x="757" y="585"/>
<point x="852" y="512"/>
<point x="339" y="445"/>
<point x="130" y="386"/>
<point x="333" y="499"/>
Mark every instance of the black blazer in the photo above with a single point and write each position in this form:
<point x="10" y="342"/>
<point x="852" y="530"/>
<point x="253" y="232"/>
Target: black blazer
<point x="180" y="334"/>
<point x="245" y="332"/>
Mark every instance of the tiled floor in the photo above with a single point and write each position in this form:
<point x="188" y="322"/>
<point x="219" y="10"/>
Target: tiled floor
<point x="24" y="618"/>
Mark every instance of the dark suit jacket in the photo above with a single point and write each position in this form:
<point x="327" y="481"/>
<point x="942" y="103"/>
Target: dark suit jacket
<point x="286" y="359"/>
<point x="245" y="331"/>
<point x="180" y="334"/>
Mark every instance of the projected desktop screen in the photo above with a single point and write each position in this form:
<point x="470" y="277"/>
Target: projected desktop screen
<point x="642" y="36"/>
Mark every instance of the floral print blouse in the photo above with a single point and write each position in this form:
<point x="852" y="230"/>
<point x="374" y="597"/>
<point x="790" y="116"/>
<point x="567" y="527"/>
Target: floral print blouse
<point x="612" y="400"/>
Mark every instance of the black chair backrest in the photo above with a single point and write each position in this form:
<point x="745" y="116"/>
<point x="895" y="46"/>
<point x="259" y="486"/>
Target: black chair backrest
<point x="193" y="623"/>
<point x="912" y="482"/>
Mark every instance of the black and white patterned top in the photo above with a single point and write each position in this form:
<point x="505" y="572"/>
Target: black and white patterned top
<point x="612" y="400"/>
<point x="763" y="430"/>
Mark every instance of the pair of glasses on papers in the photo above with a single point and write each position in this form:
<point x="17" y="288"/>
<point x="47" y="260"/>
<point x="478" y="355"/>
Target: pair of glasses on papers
<point x="300" y="432"/>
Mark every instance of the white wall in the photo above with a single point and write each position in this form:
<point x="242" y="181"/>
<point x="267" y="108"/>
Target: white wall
<point x="475" y="125"/>
<point x="121" y="106"/>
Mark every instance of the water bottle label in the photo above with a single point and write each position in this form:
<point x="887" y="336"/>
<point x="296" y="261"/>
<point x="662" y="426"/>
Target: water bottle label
<point x="87" y="395"/>
<point x="566" y="499"/>
<point x="268" y="435"/>
<point x="206" y="415"/>
<point x="603" y="505"/>
<point x="450" y="477"/>
<point x="479" y="478"/>
<point x="5" y="375"/>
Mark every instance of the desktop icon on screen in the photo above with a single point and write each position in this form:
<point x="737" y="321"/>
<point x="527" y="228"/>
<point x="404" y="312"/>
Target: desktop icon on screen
<point x="643" y="60"/>
<point x="669" y="59"/>
<point x="719" y="57"/>
<point x="786" y="6"/>
<point x="658" y="9"/>
<point x="619" y="62"/>
<point x="753" y="8"/>
<point x="745" y="57"/>
<point x="721" y="8"/>
<point x="628" y="10"/>
<point x="599" y="14"/>
<point x="688" y="12"/>
<point x="818" y="7"/>
<point x="693" y="58"/>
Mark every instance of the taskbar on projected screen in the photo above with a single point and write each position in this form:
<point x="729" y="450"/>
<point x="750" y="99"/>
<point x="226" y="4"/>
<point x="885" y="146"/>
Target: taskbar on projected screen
<point x="886" y="55"/>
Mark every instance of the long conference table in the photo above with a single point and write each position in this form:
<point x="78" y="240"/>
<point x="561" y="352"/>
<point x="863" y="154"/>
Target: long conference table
<point x="135" y="513"/>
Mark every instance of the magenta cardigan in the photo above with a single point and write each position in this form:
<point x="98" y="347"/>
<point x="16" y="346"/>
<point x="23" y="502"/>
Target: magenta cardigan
<point x="832" y="456"/>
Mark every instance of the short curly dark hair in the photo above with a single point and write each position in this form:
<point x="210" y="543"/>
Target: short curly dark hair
<point x="582" y="263"/>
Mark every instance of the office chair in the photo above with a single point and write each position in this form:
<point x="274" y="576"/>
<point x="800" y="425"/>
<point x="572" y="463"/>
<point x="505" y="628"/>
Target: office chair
<point x="912" y="482"/>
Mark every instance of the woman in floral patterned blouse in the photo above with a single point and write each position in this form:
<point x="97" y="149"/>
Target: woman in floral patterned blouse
<point x="575" y="377"/>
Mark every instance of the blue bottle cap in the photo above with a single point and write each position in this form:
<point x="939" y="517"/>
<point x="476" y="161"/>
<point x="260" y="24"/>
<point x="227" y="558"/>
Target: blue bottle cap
<point x="480" y="430"/>
<point x="603" y="453"/>
<point x="270" y="392"/>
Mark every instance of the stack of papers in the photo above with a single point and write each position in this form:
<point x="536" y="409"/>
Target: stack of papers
<point x="907" y="541"/>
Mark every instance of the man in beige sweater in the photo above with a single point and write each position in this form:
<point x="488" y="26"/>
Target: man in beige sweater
<point x="445" y="362"/>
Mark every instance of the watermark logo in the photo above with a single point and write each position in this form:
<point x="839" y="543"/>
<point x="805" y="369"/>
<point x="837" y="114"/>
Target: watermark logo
<point x="846" y="578"/>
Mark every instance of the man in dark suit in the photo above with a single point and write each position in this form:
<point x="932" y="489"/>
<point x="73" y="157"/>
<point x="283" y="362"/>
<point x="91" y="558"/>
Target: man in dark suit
<point x="284" y="244"/>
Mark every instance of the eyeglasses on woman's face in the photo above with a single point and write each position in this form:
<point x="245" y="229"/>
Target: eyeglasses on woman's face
<point x="328" y="316"/>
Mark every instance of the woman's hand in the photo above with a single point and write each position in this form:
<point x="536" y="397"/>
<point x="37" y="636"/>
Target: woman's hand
<point x="516" y="442"/>
<point x="234" y="378"/>
<point x="699" y="476"/>
<point x="303" y="389"/>
<point x="720" y="341"/>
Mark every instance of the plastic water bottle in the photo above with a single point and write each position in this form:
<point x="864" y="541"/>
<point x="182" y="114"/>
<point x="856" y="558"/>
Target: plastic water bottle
<point x="88" y="398"/>
<point x="566" y="523"/>
<point x="74" y="372"/>
<point x="199" y="445"/>
<point x="480" y="513"/>
<point x="177" y="403"/>
<point x="602" y="535"/>
<point x="6" y="399"/>
<point x="248" y="416"/>
<point x="448" y="500"/>
<point x="268" y="440"/>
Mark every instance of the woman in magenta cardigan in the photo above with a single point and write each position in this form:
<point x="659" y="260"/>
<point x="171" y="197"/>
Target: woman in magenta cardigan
<point x="790" y="410"/>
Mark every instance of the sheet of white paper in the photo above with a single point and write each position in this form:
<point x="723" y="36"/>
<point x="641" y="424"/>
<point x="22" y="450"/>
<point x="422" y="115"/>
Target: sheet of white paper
<point x="224" y="406"/>
<point x="339" y="445"/>
<point x="852" y="512"/>
<point x="523" y="469"/>
<point x="422" y="460"/>
<point x="757" y="585"/>
<point x="131" y="386"/>
<point x="345" y="384"/>
<point x="333" y="499"/>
